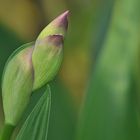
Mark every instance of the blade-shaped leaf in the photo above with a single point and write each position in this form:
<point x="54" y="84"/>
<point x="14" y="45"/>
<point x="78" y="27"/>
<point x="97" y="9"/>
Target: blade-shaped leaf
<point x="63" y="115"/>
<point x="36" y="125"/>
<point x="110" y="111"/>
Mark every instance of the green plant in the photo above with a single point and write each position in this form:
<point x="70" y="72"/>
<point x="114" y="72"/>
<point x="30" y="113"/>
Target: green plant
<point x="29" y="68"/>
<point x="110" y="109"/>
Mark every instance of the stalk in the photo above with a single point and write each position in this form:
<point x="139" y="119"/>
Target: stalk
<point x="7" y="132"/>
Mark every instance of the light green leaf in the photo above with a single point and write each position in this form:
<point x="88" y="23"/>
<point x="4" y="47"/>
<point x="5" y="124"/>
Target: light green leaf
<point x="36" y="125"/>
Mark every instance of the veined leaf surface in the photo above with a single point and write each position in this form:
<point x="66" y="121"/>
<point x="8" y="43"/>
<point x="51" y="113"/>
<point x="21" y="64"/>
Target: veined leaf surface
<point x="36" y="125"/>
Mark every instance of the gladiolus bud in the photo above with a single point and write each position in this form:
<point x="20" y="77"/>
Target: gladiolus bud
<point x="48" y="51"/>
<point x="32" y="67"/>
<point x="47" y="58"/>
<point x="17" y="85"/>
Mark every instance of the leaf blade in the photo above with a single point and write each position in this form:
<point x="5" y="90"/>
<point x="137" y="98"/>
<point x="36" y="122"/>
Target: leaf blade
<point x="36" y="125"/>
<point x="109" y="112"/>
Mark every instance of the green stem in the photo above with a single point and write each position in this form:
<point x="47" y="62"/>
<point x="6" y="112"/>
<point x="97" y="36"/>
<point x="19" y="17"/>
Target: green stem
<point x="7" y="132"/>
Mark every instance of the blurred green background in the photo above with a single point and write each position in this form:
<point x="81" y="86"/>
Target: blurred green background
<point x="99" y="77"/>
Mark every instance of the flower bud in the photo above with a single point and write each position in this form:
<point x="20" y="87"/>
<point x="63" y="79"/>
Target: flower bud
<point x="48" y="51"/>
<point x="57" y="27"/>
<point x="31" y="67"/>
<point x="47" y="58"/>
<point x="17" y="85"/>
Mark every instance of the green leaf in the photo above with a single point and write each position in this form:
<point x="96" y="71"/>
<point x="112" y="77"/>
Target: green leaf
<point x="63" y="114"/>
<point x="110" y="110"/>
<point x="36" y="125"/>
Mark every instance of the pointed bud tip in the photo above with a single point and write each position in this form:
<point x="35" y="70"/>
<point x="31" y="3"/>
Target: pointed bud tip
<point x="62" y="20"/>
<point x="56" y="40"/>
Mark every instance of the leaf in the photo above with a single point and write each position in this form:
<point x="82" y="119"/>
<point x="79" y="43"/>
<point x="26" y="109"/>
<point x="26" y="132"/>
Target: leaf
<point x="36" y="125"/>
<point x="110" y="108"/>
<point x="63" y="114"/>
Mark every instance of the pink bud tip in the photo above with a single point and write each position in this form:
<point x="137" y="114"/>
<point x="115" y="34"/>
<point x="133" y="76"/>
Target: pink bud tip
<point x="62" y="20"/>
